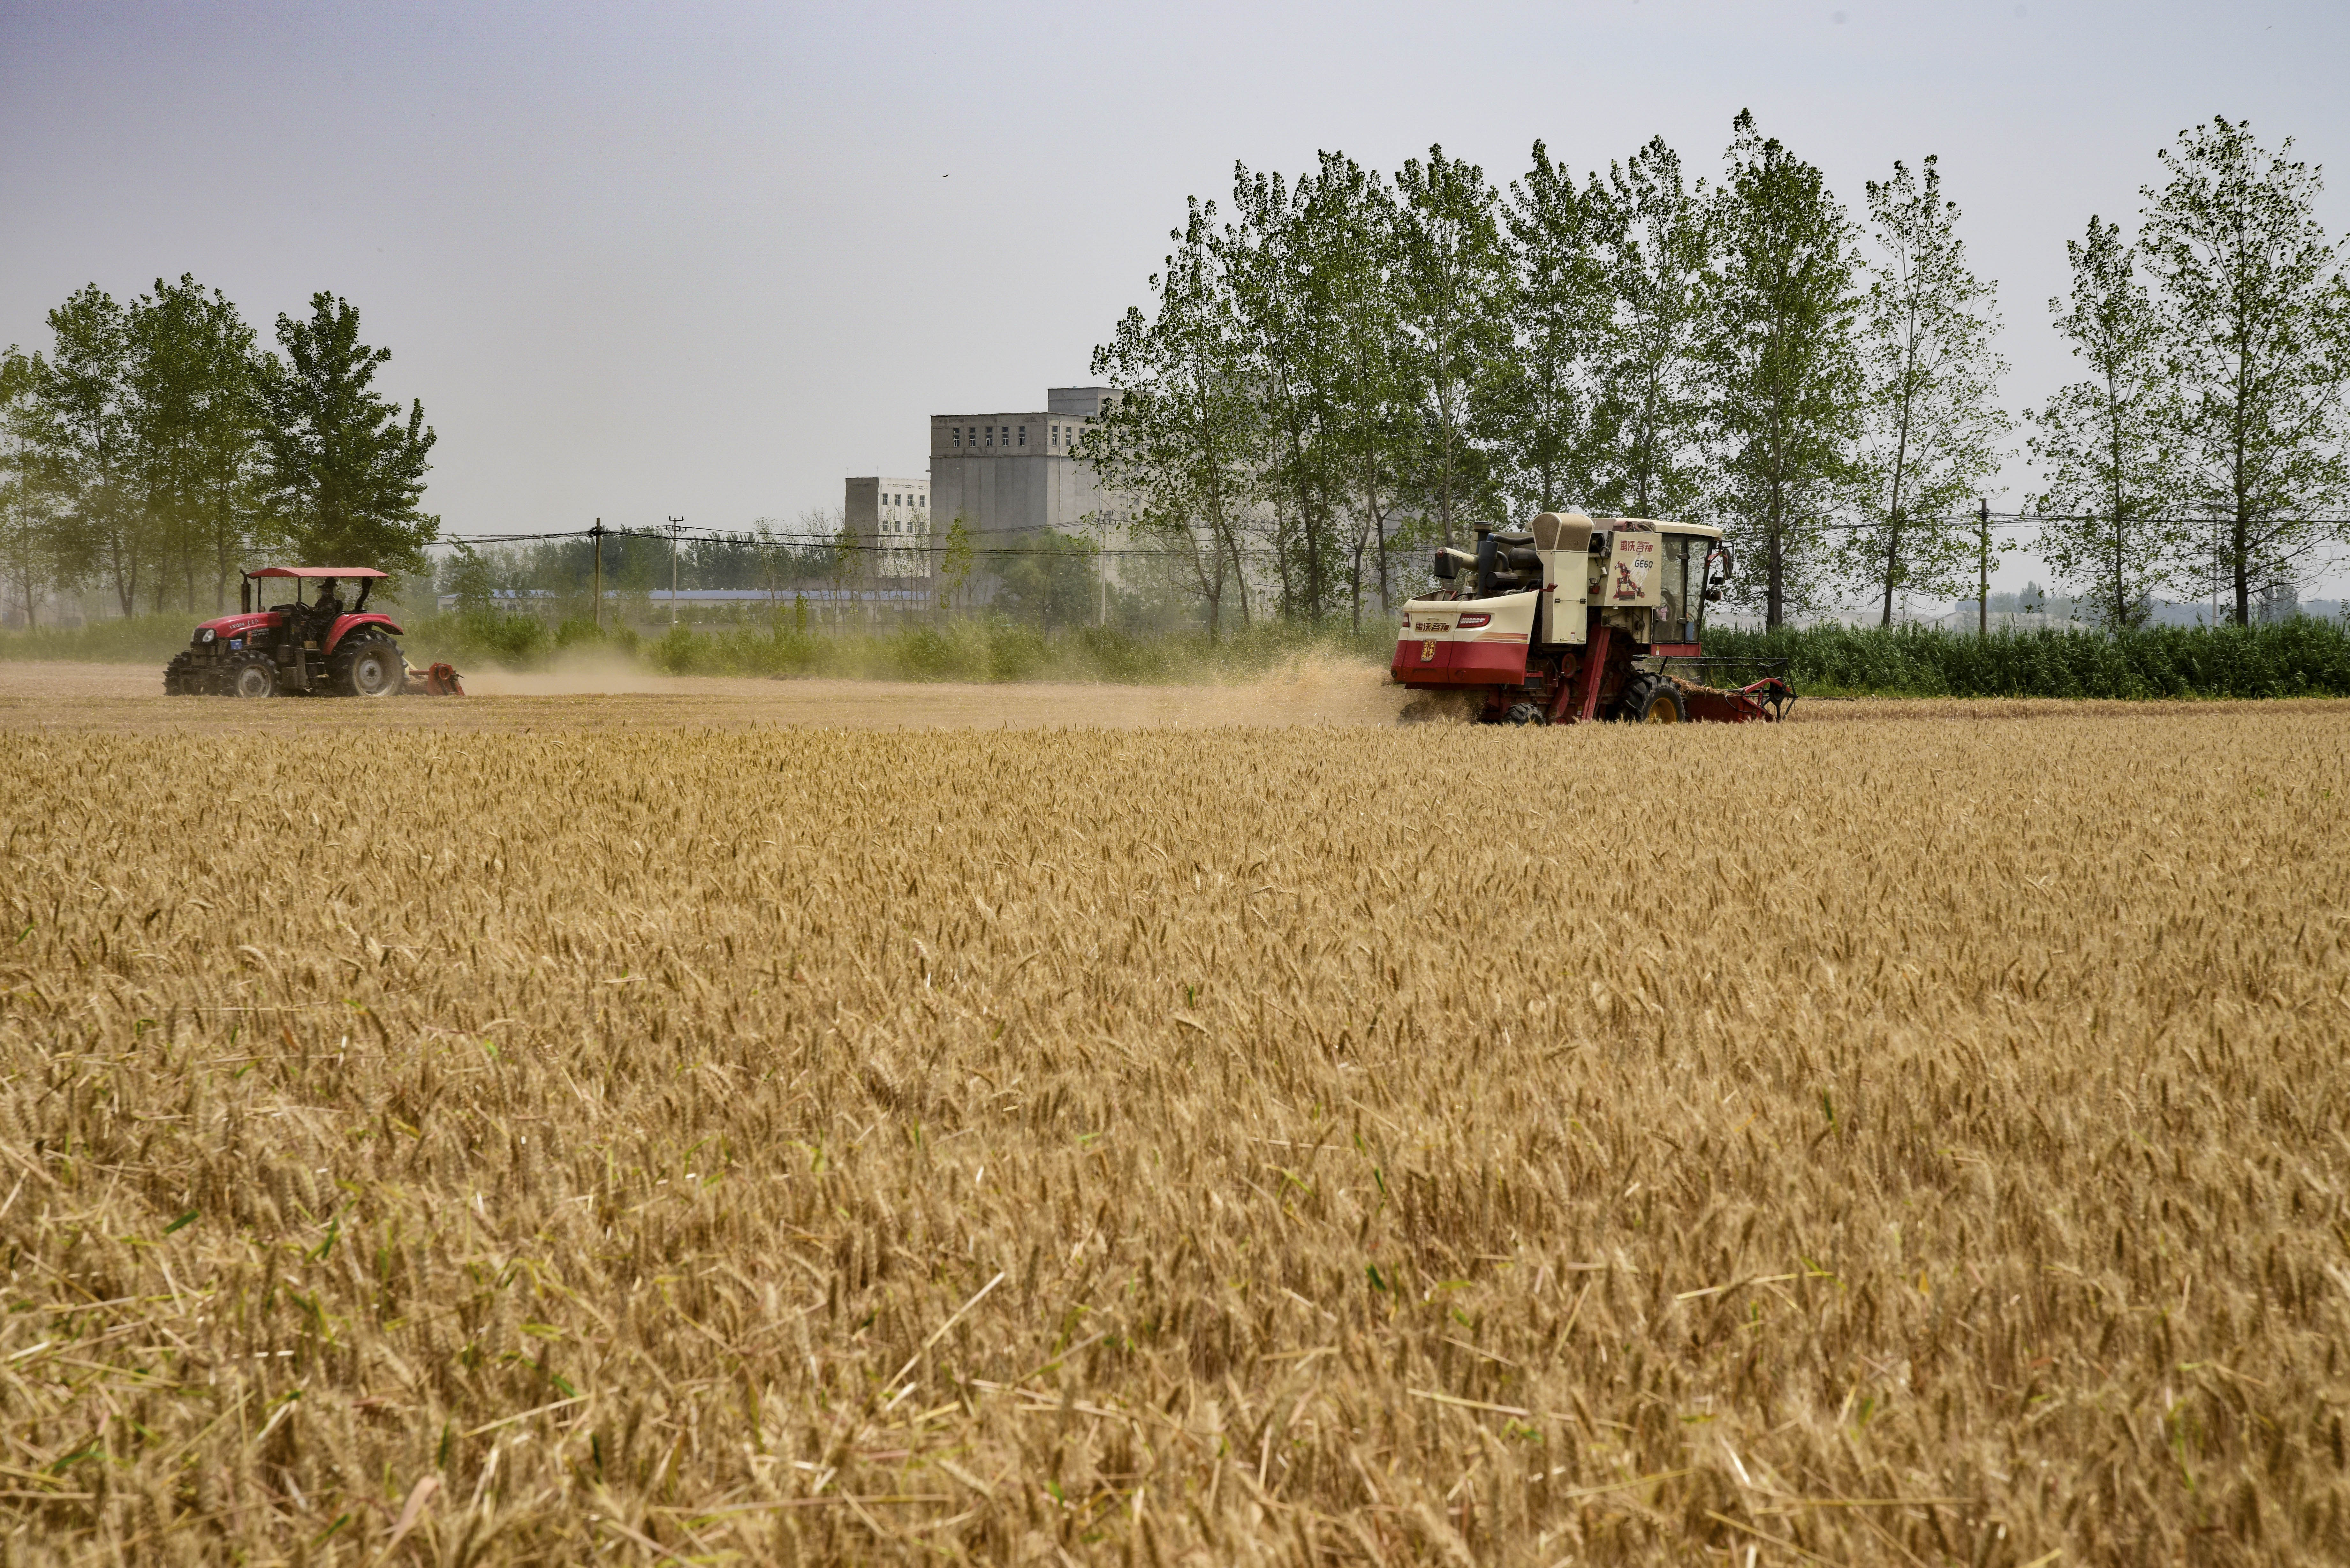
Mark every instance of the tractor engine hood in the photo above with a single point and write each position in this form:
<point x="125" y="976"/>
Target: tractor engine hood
<point x="229" y="626"/>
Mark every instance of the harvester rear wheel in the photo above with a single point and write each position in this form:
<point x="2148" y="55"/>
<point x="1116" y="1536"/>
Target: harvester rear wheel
<point x="1522" y="713"/>
<point x="366" y="666"/>
<point x="250" y="674"/>
<point x="1652" y="699"/>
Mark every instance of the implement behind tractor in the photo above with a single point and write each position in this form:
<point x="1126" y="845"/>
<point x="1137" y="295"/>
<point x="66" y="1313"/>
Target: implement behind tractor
<point x="317" y="649"/>
<point x="1573" y="619"/>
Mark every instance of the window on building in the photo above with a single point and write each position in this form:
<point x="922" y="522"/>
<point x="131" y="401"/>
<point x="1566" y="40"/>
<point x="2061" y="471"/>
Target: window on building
<point x="957" y="435"/>
<point x="1023" y="435"/>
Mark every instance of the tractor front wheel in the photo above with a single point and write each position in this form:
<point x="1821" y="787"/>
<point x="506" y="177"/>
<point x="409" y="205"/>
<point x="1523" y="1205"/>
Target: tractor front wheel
<point x="252" y="675"/>
<point x="176" y="676"/>
<point x="1652" y="699"/>
<point x="366" y="667"/>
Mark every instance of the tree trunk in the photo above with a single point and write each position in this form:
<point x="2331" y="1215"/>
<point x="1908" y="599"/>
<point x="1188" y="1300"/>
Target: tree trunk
<point x="1892" y="563"/>
<point x="2241" y="557"/>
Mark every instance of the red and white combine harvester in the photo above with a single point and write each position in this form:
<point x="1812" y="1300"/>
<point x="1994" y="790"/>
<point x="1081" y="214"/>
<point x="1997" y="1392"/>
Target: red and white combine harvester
<point x="317" y="649"/>
<point x="1573" y="619"/>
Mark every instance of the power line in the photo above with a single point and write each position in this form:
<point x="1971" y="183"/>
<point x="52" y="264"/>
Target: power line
<point x="820" y="542"/>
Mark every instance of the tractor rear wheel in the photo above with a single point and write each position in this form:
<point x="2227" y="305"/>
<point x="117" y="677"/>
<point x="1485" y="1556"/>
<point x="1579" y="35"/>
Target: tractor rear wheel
<point x="176" y="676"/>
<point x="365" y="667"/>
<point x="1652" y="699"/>
<point x="250" y="674"/>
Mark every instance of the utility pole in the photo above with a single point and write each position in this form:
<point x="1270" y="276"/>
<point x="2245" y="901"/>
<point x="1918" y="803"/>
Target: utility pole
<point x="1982" y="590"/>
<point x="597" y="534"/>
<point x="674" y="531"/>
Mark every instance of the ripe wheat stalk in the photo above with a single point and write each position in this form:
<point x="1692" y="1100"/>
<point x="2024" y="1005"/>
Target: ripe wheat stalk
<point x="1903" y="1142"/>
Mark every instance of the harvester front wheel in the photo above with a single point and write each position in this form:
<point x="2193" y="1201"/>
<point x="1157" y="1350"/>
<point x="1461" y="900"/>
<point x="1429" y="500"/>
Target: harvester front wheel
<point x="1522" y="713"/>
<point x="1652" y="699"/>
<point x="253" y="675"/>
<point x="367" y="666"/>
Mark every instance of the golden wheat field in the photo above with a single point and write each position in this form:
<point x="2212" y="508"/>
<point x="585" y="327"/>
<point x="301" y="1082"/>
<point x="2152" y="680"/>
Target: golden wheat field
<point x="1900" y="1142"/>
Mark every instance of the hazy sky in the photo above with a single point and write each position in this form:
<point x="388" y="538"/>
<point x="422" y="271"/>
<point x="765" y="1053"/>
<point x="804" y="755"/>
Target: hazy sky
<point x="709" y="259"/>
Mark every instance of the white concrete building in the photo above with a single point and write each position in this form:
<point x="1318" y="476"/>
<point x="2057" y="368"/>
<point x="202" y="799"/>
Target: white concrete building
<point x="1011" y="476"/>
<point x="893" y="516"/>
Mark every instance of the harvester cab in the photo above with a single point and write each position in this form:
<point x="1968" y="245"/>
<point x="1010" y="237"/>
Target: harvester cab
<point x="315" y="649"/>
<point x="1572" y="618"/>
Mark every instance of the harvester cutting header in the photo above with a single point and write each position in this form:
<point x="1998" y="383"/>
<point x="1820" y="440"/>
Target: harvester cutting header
<point x="315" y="649"/>
<point x="1573" y="619"/>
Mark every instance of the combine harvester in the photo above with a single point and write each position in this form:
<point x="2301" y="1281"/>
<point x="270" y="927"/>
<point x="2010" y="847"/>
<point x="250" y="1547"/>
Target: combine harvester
<point x="317" y="649"/>
<point x="1575" y="619"/>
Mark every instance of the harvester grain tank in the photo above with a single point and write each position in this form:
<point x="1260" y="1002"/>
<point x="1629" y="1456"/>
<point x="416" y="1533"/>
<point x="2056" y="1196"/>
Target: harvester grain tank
<point x="1572" y="619"/>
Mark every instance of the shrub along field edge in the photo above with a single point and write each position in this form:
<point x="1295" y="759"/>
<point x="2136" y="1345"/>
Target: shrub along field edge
<point x="2303" y="658"/>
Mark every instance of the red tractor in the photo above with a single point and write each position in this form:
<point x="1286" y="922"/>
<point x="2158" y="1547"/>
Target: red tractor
<point x="1573" y="619"/>
<point x="317" y="649"/>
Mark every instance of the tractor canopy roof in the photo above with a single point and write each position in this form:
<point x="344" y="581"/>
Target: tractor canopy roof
<point x="316" y="572"/>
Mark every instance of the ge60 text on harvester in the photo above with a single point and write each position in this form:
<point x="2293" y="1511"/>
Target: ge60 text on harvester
<point x="1572" y="619"/>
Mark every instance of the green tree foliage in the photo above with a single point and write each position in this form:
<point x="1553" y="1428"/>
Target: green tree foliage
<point x="469" y="576"/>
<point x="2104" y="445"/>
<point x="1376" y="437"/>
<point x="1454" y="283"/>
<point x="1050" y="580"/>
<point x="193" y="379"/>
<point x="955" y="565"/>
<point x="1541" y="399"/>
<point x="1296" y="255"/>
<point x="1184" y="440"/>
<point x="345" y="473"/>
<point x="154" y="449"/>
<point x="1932" y="427"/>
<point x="1410" y="358"/>
<point x="79" y="446"/>
<point x="1653" y="246"/>
<point x="30" y="560"/>
<point x="2258" y="337"/>
<point x="1787" y="390"/>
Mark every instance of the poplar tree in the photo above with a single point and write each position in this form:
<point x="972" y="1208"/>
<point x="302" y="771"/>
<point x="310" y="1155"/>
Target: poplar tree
<point x="346" y="472"/>
<point x="1453" y="282"/>
<point x="1542" y="398"/>
<point x="33" y="558"/>
<point x="1654" y="244"/>
<point x="1785" y="386"/>
<point x="1183" y="440"/>
<point x="196" y="416"/>
<point x="79" y="444"/>
<point x="1932" y="426"/>
<point x="2257" y="332"/>
<point x="2104" y="444"/>
<point x="1376" y="440"/>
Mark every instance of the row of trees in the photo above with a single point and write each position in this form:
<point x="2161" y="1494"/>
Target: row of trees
<point x="155" y="449"/>
<point x="1347" y="367"/>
